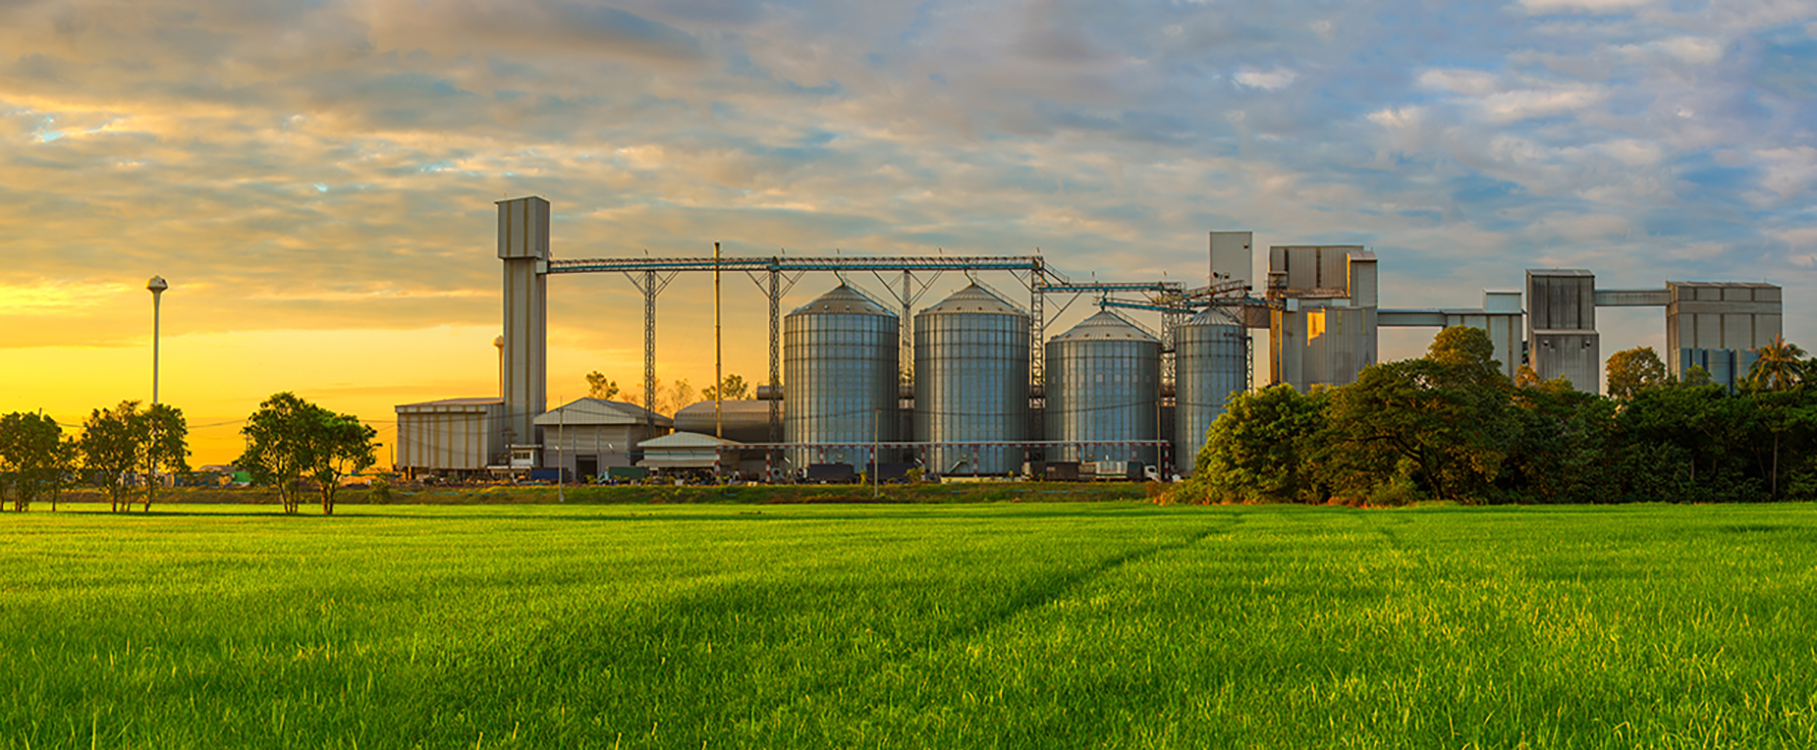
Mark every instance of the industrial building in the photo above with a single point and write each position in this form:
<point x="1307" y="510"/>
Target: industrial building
<point x="588" y="436"/>
<point x="973" y="385"/>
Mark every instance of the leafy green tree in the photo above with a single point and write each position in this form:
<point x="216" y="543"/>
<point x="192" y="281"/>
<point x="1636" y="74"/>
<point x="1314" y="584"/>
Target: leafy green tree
<point x="1788" y="419"/>
<point x="32" y="449"/>
<point x="279" y="445"/>
<point x="113" y="447"/>
<point x="1633" y="370"/>
<point x="1689" y="442"/>
<point x="289" y="439"/>
<point x="1565" y="450"/>
<point x="1442" y="421"/>
<point x="341" y="445"/>
<point x="166" y="436"/>
<point x="1258" y="449"/>
<point x="735" y="389"/>
<point x="600" y="387"/>
<point x="64" y="463"/>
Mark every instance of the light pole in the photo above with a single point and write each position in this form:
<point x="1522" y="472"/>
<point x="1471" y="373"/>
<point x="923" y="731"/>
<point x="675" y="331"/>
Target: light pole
<point x="156" y="285"/>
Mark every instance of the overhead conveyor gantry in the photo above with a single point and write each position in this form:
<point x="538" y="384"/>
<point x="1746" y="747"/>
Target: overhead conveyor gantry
<point x="523" y="243"/>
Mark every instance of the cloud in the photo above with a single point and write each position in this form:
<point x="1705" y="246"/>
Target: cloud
<point x="1540" y="7"/>
<point x="1271" y="80"/>
<point x="333" y="166"/>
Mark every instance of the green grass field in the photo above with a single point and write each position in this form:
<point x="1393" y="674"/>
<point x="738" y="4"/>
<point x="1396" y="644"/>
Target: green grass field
<point x="999" y="625"/>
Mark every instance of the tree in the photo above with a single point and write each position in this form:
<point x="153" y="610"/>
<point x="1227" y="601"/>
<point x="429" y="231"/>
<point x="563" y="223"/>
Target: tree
<point x="1633" y="370"/>
<point x="1780" y="367"/>
<point x="1258" y="449"/>
<point x="289" y="439"/>
<point x="166" y="436"/>
<point x="113" y="446"/>
<point x="1442" y="422"/>
<point x="278" y="445"/>
<point x="1564" y="450"/>
<point x="598" y="386"/>
<point x="37" y="454"/>
<point x="32" y="452"/>
<point x="340" y="445"/>
<point x="734" y="386"/>
<point x="674" y="397"/>
<point x="64" y="463"/>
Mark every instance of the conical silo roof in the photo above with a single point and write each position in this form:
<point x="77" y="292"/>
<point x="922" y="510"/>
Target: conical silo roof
<point x="1213" y="316"/>
<point x="974" y="299"/>
<point x="1106" y="325"/>
<point x="844" y="299"/>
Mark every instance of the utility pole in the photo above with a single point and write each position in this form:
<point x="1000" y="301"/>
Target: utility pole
<point x="719" y="378"/>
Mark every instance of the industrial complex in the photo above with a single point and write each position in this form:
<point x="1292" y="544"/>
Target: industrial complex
<point x="973" y="386"/>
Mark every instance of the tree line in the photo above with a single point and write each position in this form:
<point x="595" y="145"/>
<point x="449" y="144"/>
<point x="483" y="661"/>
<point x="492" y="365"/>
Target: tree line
<point x="122" y="450"/>
<point x="1452" y="426"/>
<point x="118" y="449"/>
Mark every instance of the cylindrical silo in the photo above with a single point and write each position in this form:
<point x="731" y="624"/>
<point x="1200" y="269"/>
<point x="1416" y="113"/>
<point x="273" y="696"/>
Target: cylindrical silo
<point x="971" y="382"/>
<point x="1103" y="391"/>
<point x="1211" y="360"/>
<point x="839" y="364"/>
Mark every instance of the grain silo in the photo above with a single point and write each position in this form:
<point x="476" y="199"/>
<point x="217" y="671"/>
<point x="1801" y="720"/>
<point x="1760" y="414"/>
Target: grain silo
<point x="839" y="364"/>
<point x="971" y="382"/>
<point x="1211" y="361"/>
<point x="1103" y="384"/>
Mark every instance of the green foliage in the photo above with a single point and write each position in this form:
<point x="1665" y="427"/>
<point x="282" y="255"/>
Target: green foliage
<point x="1564" y="447"/>
<point x="1022" y="625"/>
<point x="1633" y="370"/>
<point x="289" y="439"/>
<point x="35" y="458"/>
<point x="1443" y="421"/>
<point x="1450" y="426"/>
<point x="166" y="446"/>
<point x="124" y="446"/>
<point x="1255" y="451"/>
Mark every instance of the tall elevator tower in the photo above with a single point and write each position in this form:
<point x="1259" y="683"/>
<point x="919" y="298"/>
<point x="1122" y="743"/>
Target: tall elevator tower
<point x="523" y="245"/>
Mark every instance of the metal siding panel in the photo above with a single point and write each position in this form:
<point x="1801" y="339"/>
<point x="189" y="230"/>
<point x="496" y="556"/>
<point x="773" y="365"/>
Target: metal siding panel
<point x="1737" y="331"/>
<point x="1709" y="332"/>
<point x="1334" y="268"/>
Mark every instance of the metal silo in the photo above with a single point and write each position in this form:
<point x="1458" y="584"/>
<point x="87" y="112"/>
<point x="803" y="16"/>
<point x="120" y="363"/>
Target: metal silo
<point x="971" y="382"/>
<point x="1103" y="384"/>
<point x="839" y="362"/>
<point x="1211" y="360"/>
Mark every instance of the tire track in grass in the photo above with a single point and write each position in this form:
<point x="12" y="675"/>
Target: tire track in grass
<point x="802" y="714"/>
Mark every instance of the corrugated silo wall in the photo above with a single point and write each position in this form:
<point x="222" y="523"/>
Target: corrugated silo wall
<point x="1103" y="390"/>
<point x="971" y="385"/>
<point x="1211" y="362"/>
<point x="842" y="381"/>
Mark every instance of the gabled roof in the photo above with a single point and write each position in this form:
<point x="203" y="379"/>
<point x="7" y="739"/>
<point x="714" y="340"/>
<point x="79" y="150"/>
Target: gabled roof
<point x="685" y="440"/>
<point x="598" y="412"/>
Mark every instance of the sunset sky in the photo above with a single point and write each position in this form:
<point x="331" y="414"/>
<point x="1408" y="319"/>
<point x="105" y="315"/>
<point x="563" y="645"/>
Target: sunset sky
<point x="316" y="179"/>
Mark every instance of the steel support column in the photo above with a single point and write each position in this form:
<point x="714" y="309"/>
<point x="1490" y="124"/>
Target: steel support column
<point x="651" y="285"/>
